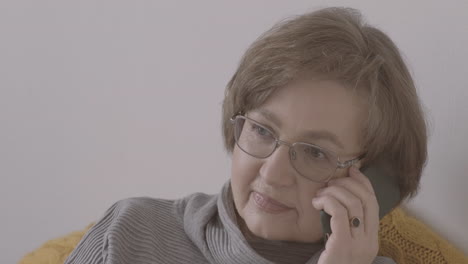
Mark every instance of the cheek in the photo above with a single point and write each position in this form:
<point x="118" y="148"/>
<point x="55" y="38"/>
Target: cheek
<point x="307" y="226"/>
<point x="306" y="192"/>
<point x="303" y="225"/>
<point x="244" y="171"/>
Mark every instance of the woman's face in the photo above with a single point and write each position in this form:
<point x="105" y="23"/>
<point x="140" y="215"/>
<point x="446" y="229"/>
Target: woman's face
<point x="273" y="200"/>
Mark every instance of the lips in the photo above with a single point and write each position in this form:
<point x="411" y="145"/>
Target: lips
<point x="268" y="204"/>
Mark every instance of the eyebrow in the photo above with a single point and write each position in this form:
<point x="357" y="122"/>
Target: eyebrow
<point x="317" y="134"/>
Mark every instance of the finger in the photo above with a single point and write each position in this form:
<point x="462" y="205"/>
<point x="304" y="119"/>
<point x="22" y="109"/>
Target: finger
<point x="368" y="200"/>
<point x="371" y="206"/>
<point x="351" y="202"/>
<point x="339" y="215"/>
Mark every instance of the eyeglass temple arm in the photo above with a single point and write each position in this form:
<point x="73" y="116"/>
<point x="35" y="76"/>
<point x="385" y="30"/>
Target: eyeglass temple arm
<point x="349" y="163"/>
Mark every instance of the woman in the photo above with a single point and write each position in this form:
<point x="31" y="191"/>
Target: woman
<point x="313" y="100"/>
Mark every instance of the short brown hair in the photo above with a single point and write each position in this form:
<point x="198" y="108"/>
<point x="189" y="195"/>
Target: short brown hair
<point x="336" y="43"/>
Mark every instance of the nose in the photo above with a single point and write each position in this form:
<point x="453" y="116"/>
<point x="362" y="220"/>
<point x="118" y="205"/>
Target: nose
<point x="276" y="170"/>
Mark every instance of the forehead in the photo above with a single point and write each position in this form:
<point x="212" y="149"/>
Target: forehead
<point x="318" y="110"/>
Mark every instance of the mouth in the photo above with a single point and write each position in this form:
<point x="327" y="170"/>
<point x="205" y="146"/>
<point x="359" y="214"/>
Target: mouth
<point x="268" y="204"/>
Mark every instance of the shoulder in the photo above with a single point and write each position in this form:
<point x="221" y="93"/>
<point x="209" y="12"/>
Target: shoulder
<point x="142" y="206"/>
<point x="145" y="208"/>
<point x="149" y="224"/>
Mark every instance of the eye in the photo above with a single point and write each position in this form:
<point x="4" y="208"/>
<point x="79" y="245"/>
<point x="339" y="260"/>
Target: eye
<point x="315" y="153"/>
<point x="261" y="130"/>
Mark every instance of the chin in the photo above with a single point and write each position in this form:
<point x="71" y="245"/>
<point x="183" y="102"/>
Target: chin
<point x="271" y="227"/>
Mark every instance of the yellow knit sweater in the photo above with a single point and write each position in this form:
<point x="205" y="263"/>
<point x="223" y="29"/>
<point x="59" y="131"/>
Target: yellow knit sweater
<point x="408" y="241"/>
<point x="401" y="237"/>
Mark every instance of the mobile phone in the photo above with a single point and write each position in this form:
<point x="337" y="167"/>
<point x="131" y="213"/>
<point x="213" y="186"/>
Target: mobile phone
<point x="385" y="184"/>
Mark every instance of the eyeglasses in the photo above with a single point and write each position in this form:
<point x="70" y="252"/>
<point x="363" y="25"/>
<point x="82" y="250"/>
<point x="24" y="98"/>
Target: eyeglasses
<point x="310" y="161"/>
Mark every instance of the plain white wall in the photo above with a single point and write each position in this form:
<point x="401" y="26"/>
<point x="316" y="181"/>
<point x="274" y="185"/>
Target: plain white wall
<point x="102" y="100"/>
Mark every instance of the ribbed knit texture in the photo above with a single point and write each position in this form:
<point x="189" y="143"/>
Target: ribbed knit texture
<point x="409" y="241"/>
<point x="197" y="229"/>
<point x="400" y="237"/>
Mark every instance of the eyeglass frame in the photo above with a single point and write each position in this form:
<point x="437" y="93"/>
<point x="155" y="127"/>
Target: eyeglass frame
<point x="278" y="142"/>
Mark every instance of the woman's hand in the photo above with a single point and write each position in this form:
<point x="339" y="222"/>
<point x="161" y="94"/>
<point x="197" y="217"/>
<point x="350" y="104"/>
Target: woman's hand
<point x="344" y="199"/>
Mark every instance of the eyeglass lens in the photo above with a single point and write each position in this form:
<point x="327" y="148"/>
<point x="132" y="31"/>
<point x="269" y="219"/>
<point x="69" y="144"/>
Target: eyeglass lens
<point x="310" y="161"/>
